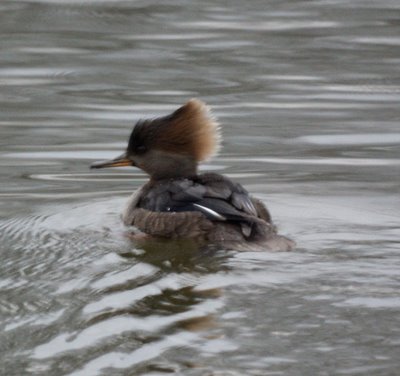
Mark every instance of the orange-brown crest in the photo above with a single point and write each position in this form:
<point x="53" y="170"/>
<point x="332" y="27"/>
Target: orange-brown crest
<point x="190" y="130"/>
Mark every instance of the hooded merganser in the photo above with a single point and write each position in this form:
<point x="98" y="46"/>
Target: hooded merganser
<point x="179" y="203"/>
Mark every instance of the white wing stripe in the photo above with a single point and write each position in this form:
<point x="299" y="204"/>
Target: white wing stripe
<point x="210" y="212"/>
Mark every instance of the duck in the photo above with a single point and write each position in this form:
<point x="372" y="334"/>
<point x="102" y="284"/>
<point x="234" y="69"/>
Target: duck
<point x="178" y="202"/>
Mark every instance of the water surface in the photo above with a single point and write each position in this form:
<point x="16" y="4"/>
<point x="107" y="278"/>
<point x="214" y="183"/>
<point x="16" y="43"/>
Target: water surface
<point x="308" y="95"/>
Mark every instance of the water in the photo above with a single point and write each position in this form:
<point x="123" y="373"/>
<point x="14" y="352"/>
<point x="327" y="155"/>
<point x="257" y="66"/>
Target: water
<point x="308" y="96"/>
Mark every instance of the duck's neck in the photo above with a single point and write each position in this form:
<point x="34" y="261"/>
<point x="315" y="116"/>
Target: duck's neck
<point x="170" y="166"/>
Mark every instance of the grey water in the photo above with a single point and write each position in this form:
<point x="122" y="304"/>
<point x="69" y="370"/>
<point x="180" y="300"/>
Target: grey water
<point x="308" y="97"/>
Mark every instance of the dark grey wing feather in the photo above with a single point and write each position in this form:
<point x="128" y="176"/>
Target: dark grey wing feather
<point x="243" y="202"/>
<point x="210" y="213"/>
<point x="193" y="193"/>
<point x="217" y="197"/>
<point x="155" y="199"/>
<point x="173" y="195"/>
<point x="220" y="187"/>
<point x="223" y="208"/>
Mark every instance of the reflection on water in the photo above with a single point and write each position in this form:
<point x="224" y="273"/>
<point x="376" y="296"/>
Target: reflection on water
<point x="307" y="93"/>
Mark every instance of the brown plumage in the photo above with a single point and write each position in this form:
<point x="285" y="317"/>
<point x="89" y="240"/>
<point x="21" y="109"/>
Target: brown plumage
<point x="178" y="203"/>
<point x="190" y="130"/>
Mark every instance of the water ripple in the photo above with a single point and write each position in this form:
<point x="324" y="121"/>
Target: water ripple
<point x="117" y="326"/>
<point x="308" y="95"/>
<point x="352" y="139"/>
<point x="367" y="162"/>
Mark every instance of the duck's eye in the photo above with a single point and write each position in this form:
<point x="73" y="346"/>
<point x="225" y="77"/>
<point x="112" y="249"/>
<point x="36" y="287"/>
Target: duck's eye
<point x="141" y="149"/>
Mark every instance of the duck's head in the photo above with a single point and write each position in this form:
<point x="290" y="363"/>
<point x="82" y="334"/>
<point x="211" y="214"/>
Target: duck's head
<point x="173" y="145"/>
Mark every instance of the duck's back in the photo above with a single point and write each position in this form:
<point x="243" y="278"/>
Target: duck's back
<point x="208" y="205"/>
<point x="214" y="195"/>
